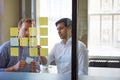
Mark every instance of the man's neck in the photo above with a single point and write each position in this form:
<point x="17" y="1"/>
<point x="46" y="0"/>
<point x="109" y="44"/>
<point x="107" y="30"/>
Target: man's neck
<point x="65" y="40"/>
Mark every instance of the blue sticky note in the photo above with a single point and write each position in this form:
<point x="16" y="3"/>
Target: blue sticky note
<point x="29" y="60"/>
<point x="14" y="42"/>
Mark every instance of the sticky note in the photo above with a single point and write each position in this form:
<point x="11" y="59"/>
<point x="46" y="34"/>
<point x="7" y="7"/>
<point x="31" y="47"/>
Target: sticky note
<point x="44" y="41"/>
<point x="32" y="41"/>
<point x="43" y="31"/>
<point x="43" y="51"/>
<point x="13" y="31"/>
<point x="14" y="42"/>
<point x="33" y="52"/>
<point x="33" y="31"/>
<point x="43" y="20"/>
<point x="23" y="41"/>
<point x="29" y="60"/>
<point x="14" y="51"/>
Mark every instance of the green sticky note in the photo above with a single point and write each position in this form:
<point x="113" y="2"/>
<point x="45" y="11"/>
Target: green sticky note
<point x="33" y="52"/>
<point x="32" y="41"/>
<point x="44" y="41"/>
<point x="23" y="41"/>
<point x="43" y="31"/>
<point x="13" y="31"/>
<point x="33" y="31"/>
<point x="43" y="20"/>
<point x="43" y="51"/>
<point x="14" y="51"/>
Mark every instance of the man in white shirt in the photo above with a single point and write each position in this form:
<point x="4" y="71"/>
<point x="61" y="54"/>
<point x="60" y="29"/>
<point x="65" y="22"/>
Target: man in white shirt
<point x="61" y="52"/>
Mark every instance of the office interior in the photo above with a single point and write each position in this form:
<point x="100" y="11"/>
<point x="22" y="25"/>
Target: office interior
<point x="97" y="27"/>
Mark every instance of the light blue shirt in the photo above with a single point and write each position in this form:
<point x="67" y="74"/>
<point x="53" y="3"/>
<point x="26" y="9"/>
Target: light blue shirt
<point x="6" y="60"/>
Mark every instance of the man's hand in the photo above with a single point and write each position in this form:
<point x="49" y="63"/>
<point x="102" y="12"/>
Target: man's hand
<point x="20" y="65"/>
<point x="22" y="32"/>
<point x="43" y="59"/>
<point x="33" y="66"/>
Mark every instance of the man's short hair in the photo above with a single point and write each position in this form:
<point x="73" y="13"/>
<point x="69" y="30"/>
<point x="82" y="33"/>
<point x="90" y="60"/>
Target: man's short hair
<point x="67" y="22"/>
<point x="28" y="20"/>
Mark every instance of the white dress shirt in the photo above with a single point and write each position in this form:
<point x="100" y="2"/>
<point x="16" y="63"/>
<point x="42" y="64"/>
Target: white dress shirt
<point x="61" y="54"/>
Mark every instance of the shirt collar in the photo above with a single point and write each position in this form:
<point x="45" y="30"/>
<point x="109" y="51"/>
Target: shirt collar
<point x="68" y="41"/>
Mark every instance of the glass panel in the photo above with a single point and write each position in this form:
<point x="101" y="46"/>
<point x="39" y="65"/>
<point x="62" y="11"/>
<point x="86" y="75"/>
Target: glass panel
<point x="82" y="33"/>
<point x="49" y="12"/>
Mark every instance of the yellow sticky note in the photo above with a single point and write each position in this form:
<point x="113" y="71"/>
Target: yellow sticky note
<point x="33" y="31"/>
<point x="43" y="51"/>
<point x="23" y="41"/>
<point x="33" y="52"/>
<point x="43" y="20"/>
<point x="32" y="41"/>
<point x="43" y="31"/>
<point x="44" y="41"/>
<point x="14" y="51"/>
<point x="13" y="31"/>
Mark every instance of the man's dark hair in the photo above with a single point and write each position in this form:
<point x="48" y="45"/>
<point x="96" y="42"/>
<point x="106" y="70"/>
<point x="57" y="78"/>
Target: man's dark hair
<point x="28" y="20"/>
<point x="67" y="22"/>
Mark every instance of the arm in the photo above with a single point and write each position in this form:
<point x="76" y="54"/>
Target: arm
<point x="82" y="60"/>
<point x="4" y="62"/>
<point x="4" y="57"/>
<point x="46" y="60"/>
<point x="20" y="65"/>
<point x="43" y="60"/>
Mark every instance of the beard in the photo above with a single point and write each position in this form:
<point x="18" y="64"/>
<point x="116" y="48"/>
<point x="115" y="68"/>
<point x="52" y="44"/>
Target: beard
<point x="62" y="36"/>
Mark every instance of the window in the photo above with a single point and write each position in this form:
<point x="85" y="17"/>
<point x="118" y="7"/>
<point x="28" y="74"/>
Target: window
<point x="104" y="27"/>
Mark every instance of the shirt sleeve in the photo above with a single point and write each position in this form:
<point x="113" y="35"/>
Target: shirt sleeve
<point x="82" y="60"/>
<point x="2" y="70"/>
<point x="51" y="56"/>
<point x="3" y="58"/>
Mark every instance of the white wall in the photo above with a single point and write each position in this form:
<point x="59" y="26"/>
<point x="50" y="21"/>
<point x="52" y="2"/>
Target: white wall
<point x="10" y="17"/>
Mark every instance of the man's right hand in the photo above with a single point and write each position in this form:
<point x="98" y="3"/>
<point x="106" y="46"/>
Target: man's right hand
<point x="20" y="65"/>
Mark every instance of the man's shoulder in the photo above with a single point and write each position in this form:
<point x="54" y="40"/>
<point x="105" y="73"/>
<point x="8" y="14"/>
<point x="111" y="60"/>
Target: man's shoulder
<point x="80" y="43"/>
<point x="58" y="43"/>
<point x="5" y="44"/>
